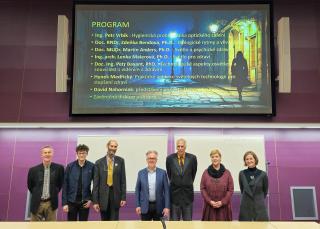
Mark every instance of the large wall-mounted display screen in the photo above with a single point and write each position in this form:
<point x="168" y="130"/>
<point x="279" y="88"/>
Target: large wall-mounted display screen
<point x="212" y="59"/>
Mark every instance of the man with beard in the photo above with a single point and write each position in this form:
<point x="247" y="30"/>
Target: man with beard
<point x="109" y="184"/>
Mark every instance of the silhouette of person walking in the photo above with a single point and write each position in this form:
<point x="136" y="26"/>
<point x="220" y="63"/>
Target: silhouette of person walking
<point x="239" y="70"/>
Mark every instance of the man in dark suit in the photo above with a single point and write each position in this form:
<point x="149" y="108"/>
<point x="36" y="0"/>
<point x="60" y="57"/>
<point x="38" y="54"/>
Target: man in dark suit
<point x="44" y="183"/>
<point x="109" y="184"/>
<point x="152" y="190"/>
<point x="181" y="169"/>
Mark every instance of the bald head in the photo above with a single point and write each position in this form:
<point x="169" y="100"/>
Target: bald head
<point x="181" y="146"/>
<point x="112" y="146"/>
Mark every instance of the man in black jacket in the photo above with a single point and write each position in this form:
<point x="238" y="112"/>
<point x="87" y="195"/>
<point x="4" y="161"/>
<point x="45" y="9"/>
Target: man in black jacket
<point x="109" y="184"/>
<point x="181" y="169"/>
<point x="76" y="192"/>
<point x="44" y="183"/>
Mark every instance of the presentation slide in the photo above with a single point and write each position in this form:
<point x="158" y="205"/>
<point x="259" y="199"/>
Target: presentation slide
<point x="172" y="59"/>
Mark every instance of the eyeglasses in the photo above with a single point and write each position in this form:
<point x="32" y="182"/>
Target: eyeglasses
<point x="152" y="158"/>
<point x="83" y="153"/>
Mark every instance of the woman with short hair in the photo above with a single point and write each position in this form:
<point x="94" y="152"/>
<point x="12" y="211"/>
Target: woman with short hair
<point x="216" y="189"/>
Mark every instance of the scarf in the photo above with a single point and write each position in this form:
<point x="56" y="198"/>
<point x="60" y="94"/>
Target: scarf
<point x="216" y="173"/>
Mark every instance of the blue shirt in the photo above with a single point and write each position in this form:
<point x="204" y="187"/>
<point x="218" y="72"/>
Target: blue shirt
<point x="152" y="184"/>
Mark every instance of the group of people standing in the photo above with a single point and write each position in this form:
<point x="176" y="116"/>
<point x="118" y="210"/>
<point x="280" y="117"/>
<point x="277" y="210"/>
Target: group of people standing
<point x="159" y="193"/>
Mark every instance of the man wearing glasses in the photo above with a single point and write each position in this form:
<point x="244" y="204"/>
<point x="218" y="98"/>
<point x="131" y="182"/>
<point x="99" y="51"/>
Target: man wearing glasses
<point x="152" y="190"/>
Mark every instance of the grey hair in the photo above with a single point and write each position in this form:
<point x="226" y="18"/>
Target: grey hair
<point x="182" y="140"/>
<point x="112" y="140"/>
<point x="47" y="147"/>
<point x="152" y="151"/>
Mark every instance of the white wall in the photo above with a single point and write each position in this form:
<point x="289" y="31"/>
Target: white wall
<point x="232" y="149"/>
<point x="132" y="148"/>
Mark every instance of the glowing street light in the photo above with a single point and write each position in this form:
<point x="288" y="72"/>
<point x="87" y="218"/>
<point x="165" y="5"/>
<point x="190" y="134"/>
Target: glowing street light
<point x="178" y="60"/>
<point x="213" y="28"/>
<point x="172" y="36"/>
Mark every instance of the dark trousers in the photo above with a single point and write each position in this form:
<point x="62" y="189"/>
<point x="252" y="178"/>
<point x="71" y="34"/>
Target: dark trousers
<point x="152" y="213"/>
<point x="177" y="211"/>
<point x="77" y="209"/>
<point x="112" y="213"/>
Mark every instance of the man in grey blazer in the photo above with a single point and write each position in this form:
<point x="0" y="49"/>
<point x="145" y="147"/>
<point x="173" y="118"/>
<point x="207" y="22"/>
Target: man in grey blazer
<point x="109" y="184"/>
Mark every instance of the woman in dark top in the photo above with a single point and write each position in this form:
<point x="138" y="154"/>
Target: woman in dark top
<point x="254" y="188"/>
<point x="216" y="189"/>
